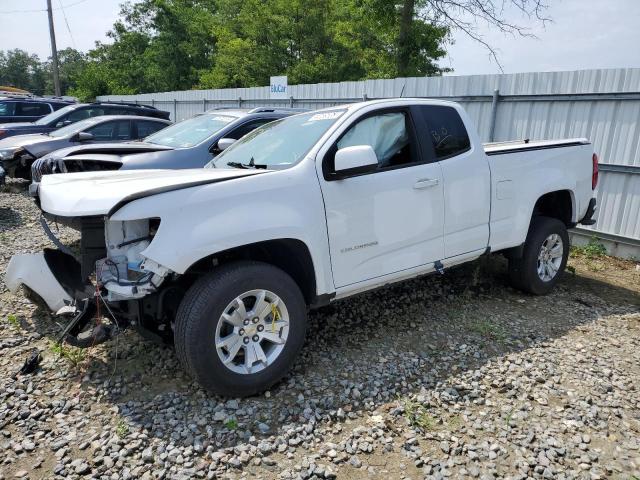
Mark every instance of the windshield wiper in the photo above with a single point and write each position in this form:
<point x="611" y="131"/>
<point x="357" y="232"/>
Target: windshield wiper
<point x="251" y="164"/>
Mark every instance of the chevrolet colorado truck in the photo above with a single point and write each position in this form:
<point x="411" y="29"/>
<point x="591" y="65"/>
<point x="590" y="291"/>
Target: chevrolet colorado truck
<point x="224" y="262"/>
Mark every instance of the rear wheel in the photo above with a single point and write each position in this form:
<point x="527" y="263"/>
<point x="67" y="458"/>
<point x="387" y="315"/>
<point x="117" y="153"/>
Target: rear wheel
<point x="544" y="258"/>
<point x="239" y="329"/>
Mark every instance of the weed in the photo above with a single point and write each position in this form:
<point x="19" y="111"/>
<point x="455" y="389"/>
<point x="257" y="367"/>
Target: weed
<point x="73" y="355"/>
<point x="13" y="320"/>
<point x="231" y="424"/>
<point x="593" y="249"/>
<point x="122" y="429"/>
<point x="571" y="269"/>
<point x="507" y="420"/>
<point x="490" y="330"/>
<point x="418" y="415"/>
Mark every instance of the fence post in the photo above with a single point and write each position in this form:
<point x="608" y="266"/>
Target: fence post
<point x="494" y="113"/>
<point x="291" y="101"/>
<point x="153" y="102"/>
<point x="239" y="102"/>
<point x="175" y="110"/>
<point x="204" y="104"/>
<point x="364" y="97"/>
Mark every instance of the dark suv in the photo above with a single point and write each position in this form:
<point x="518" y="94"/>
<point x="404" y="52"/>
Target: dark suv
<point x="26" y="109"/>
<point x="79" y="111"/>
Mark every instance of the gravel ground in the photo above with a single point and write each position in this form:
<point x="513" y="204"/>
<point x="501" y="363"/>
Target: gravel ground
<point x="454" y="376"/>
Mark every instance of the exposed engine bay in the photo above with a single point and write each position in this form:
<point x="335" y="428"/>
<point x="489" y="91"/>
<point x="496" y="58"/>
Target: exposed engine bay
<point x="106" y="275"/>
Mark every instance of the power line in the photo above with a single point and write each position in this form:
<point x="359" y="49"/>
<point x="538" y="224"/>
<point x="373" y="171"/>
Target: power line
<point x="73" y="41"/>
<point x="61" y="7"/>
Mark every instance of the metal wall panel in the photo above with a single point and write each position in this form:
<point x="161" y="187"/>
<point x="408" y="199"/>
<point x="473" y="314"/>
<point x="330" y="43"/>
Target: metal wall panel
<point x="612" y="124"/>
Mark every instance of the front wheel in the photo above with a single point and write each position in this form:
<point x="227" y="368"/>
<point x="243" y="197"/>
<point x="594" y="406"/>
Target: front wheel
<point x="544" y="258"/>
<point x="239" y="329"/>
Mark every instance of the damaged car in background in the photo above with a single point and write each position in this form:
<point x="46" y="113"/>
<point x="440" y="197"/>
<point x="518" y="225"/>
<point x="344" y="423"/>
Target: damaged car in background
<point x="190" y="143"/>
<point x="19" y="152"/>
<point x="224" y="262"/>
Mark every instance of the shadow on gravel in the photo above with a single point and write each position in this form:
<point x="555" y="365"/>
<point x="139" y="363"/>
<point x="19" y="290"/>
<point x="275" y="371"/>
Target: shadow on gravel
<point x="9" y="219"/>
<point x="361" y="354"/>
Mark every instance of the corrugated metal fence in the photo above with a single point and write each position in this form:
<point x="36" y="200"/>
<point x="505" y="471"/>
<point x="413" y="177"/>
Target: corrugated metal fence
<point x="602" y="105"/>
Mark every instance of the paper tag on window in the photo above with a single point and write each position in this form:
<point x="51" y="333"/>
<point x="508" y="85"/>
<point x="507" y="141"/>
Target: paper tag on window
<point x="325" y="116"/>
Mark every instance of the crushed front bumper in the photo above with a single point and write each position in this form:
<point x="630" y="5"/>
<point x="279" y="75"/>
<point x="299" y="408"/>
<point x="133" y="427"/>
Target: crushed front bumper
<point x="52" y="275"/>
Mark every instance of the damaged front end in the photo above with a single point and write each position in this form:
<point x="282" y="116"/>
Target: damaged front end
<point x="106" y="274"/>
<point x="16" y="162"/>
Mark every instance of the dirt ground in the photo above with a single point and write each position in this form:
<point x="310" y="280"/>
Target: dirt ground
<point x="453" y="376"/>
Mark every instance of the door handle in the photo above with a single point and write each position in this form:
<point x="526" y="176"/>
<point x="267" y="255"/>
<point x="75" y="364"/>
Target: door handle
<point x="426" y="183"/>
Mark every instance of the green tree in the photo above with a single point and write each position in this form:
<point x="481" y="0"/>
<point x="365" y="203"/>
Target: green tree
<point x="71" y="64"/>
<point x="22" y="70"/>
<point x="321" y="41"/>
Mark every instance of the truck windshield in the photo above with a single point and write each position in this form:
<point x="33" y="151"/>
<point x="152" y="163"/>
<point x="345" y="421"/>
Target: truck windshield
<point x="277" y="145"/>
<point x="190" y="132"/>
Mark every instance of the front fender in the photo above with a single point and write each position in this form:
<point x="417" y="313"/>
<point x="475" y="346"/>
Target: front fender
<point x="201" y="221"/>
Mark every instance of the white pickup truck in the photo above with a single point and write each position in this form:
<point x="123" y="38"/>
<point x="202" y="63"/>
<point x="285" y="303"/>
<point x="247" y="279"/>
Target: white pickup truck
<point x="225" y="261"/>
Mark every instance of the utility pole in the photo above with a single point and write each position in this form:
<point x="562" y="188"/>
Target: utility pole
<point x="54" y="51"/>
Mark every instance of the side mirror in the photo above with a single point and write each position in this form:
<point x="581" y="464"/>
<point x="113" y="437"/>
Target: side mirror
<point x="225" y="143"/>
<point x="357" y="159"/>
<point x="83" y="137"/>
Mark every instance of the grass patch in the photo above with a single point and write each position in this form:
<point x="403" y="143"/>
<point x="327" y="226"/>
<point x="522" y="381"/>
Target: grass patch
<point x="489" y="330"/>
<point x="73" y="355"/>
<point x="231" y="424"/>
<point x="593" y="249"/>
<point x="418" y="415"/>
<point x="122" y="429"/>
<point x="13" y="320"/>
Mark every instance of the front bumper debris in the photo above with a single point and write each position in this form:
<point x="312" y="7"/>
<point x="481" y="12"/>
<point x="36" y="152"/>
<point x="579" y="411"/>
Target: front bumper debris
<point x="32" y="271"/>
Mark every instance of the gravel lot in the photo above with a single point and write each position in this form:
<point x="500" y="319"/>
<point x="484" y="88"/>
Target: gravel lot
<point x="457" y="376"/>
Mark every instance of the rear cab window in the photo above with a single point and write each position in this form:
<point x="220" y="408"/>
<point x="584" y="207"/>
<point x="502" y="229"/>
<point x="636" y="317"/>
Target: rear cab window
<point x="443" y="130"/>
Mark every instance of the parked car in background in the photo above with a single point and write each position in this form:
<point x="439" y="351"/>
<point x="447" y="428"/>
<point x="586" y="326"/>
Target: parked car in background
<point x="76" y="112"/>
<point x="18" y="153"/>
<point x="225" y="261"/>
<point x="191" y="143"/>
<point x="21" y="108"/>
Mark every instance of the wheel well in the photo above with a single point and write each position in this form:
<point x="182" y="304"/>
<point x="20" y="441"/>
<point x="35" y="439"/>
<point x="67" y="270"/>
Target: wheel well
<point x="288" y="254"/>
<point x="555" y="205"/>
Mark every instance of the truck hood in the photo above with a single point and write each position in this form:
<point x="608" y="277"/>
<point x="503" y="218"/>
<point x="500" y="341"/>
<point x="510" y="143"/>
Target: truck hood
<point x="94" y="193"/>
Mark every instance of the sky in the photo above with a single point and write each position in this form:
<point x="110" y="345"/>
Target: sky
<point x="584" y="34"/>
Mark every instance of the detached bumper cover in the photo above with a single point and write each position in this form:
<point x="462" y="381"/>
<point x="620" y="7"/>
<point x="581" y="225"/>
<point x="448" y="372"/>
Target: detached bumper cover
<point x="32" y="271"/>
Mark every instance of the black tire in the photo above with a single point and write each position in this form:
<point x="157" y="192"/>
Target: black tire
<point x="523" y="271"/>
<point x="200" y="312"/>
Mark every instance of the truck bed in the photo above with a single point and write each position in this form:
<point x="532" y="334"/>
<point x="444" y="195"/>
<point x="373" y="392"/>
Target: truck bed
<point x="500" y="148"/>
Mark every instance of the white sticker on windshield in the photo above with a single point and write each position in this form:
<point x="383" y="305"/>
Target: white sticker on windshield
<point x="325" y="116"/>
